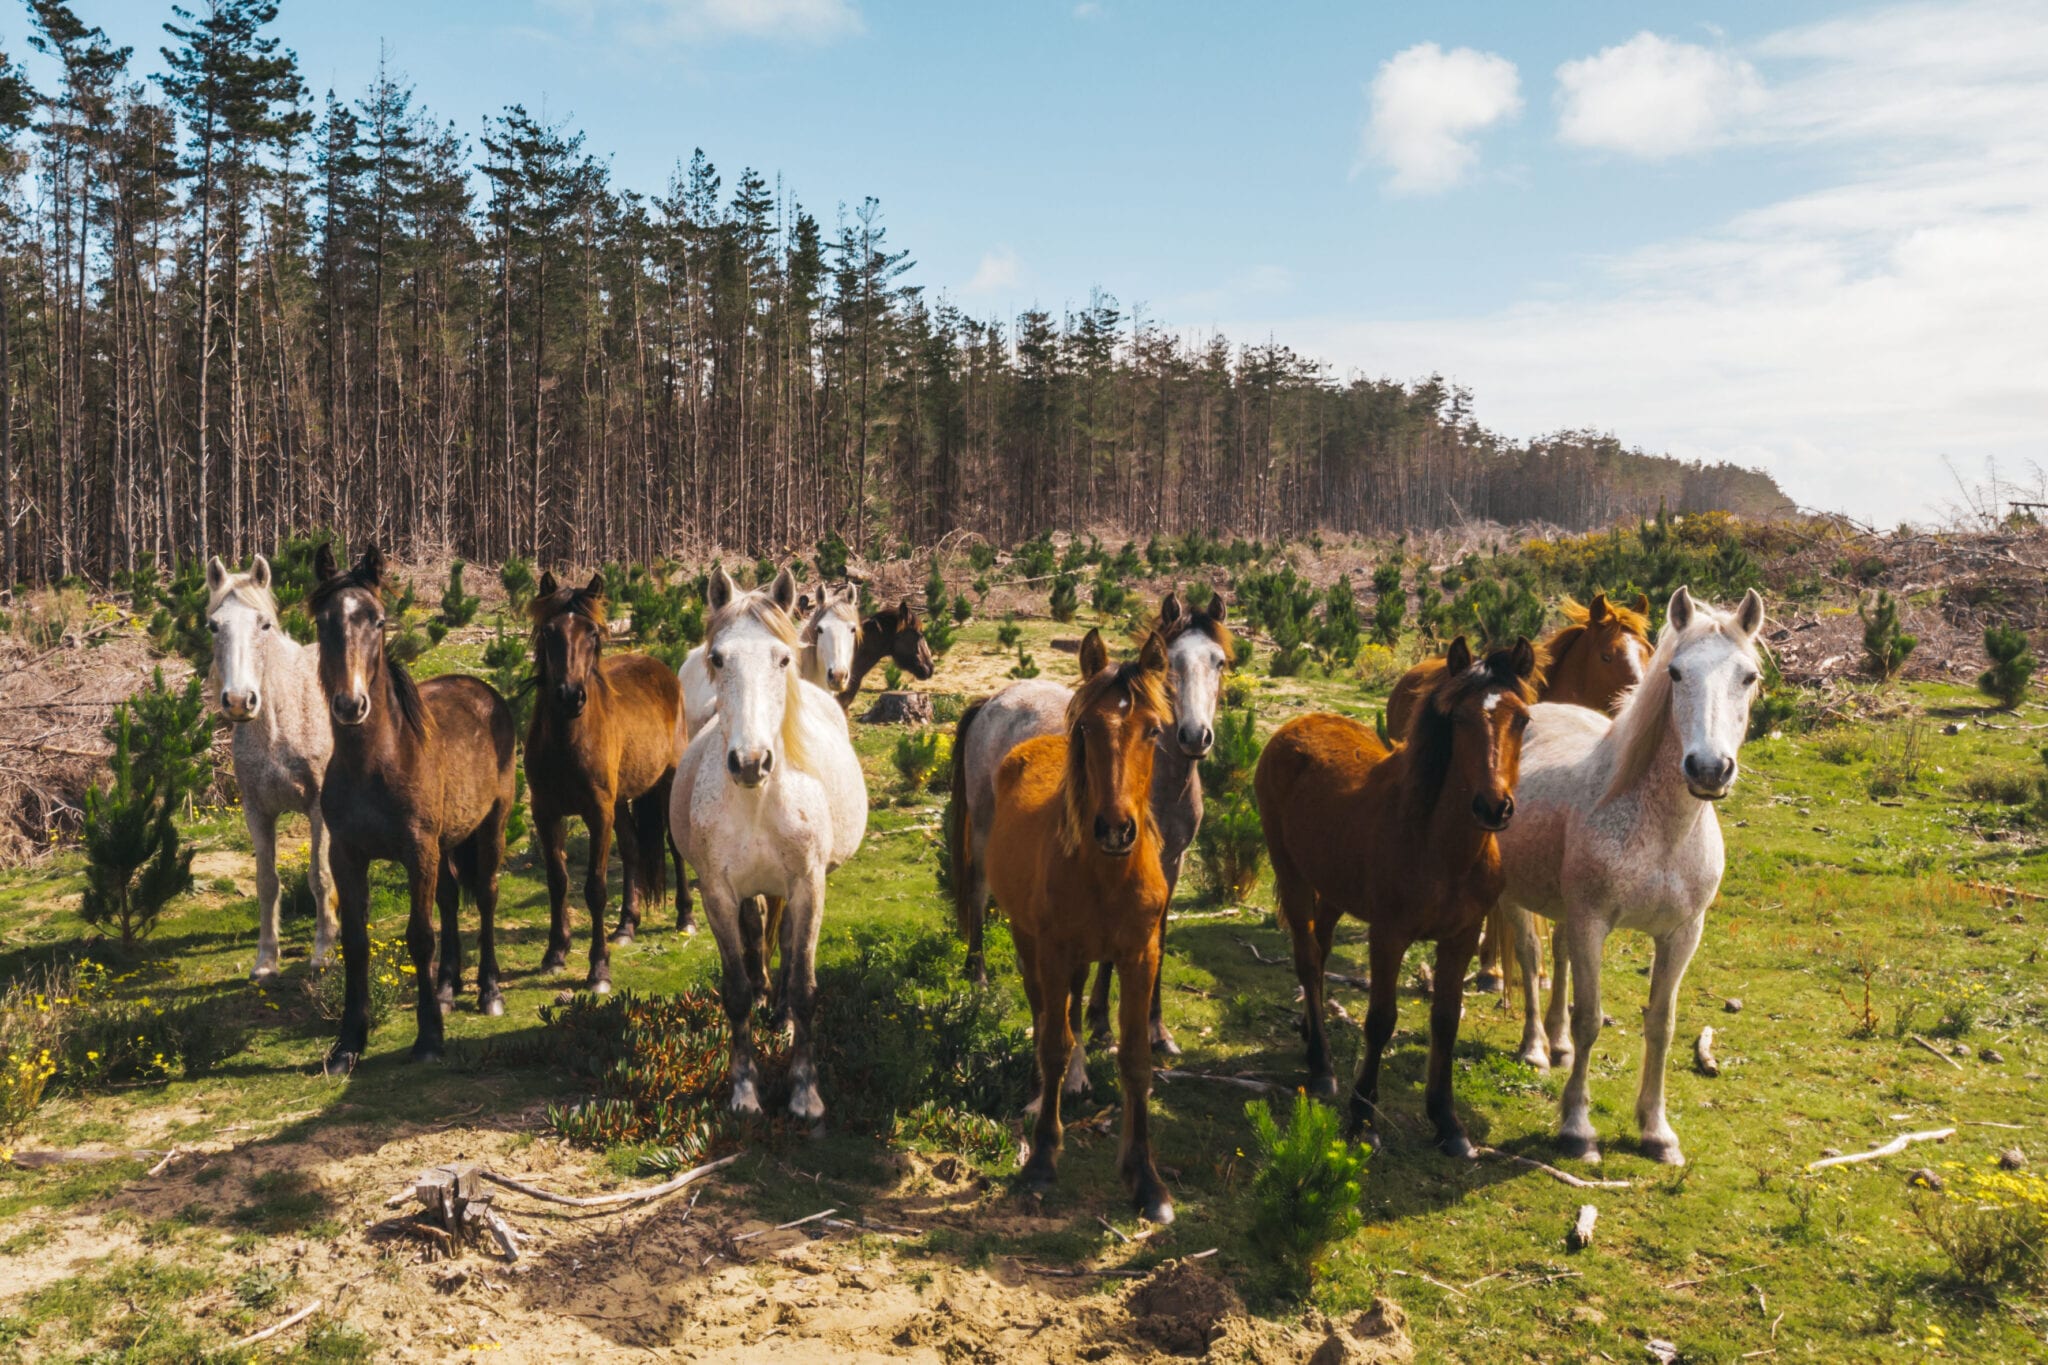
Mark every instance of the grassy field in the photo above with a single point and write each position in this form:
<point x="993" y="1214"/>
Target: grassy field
<point x="1850" y="927"/>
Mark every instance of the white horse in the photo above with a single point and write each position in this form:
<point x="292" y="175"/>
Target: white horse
<point x="1615" y="829"/>
<point x="825" y="647"/>
<point x="268" y="684"/>
<point x="768" y="798"/>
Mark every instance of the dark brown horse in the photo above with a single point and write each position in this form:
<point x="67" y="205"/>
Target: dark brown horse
<point x="1073" y="857"/>
<point x="1403" y="839"/>
<point x="421" y="776"/>
<point x="601" y="748"/>
<point x="891" y="633"/>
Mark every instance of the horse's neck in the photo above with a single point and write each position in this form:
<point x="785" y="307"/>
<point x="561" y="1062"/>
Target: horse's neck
<point x="869" y="649"/>
<point x="1560" y="679"/>
<point x="1446" y="831"/>
<point x="1173" y="772"/>
<point x="1664" y="809"/>
<point x="283" y="669"/>
<point x="378" y="744"/>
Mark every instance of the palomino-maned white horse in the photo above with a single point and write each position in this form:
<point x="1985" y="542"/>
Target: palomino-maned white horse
<point x="269" y="685"/>
<point x="1615" y="829"/>
<point x="768" y="798"/>
<point x="825" y="645"/>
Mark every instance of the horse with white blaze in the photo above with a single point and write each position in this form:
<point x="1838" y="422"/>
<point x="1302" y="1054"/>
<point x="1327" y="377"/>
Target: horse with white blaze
<point x="768" y="799"/>
<point x="1616" y="830"/>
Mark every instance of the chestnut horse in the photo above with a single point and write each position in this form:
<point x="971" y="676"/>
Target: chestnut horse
<point x="1591" y="661"/>
<point x="601" y="747"/>
<point x="1073" y="857"/>
<point x="421" y="776"/>
<point x="1403" y="839"/>
<point x="891" y="633"/>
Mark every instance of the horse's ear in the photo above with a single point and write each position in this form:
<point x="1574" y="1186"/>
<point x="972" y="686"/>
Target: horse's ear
<point x="1169" y="611"/>
<point x="1598" y="611"/>
<point x="1643" y="605"/>
<point x="548" y="586"/>
<point x="596" y="588"/>
<point x="783" y="590"/>
<point x="1216" y="607"/>
<point x="1678" y="615"/>
<point x="718" y="593"/>
<point x="1523" y="658"/>
<point x="216" y="574"/>
<point x="1152" y="658"/>
<point x="1459" y="657"/>
<point x="371" y="567"/>
<point x="259" y="572"/>
<point x="1750" y="615"/>
<point x="324" y="566"/>
<point x="906" y="615"/>
<point x="1094" y="655"/>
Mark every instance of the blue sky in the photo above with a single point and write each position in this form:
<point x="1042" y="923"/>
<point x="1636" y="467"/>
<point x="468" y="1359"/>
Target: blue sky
<point x="1812" y="237"/>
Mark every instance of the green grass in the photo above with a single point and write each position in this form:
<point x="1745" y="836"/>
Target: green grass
<point x="1828" y="889"/>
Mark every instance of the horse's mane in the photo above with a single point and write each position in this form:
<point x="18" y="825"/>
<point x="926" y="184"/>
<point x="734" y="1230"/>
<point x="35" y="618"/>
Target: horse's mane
<point x="243" y="588"/>
<point x="1146" y="691"/>
<point x="571" y="601"/>
<point x="1430" y="729"/>
<point x="832" y="605"/>
<point x="759" y="607"/>
<point x="1639" y="724"/>
<point x="1578" y="620"/>
<point x="1208" y="625"/>
<point x="412" y="708"/>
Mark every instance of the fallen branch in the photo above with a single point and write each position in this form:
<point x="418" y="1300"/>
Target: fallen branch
<point x="1703" y="1053"/>
<point x="1241" y="1082"/>
<point x="165" y="1164"/>
<point x="1426" y="1279"/>
<point x="599" y="1201"/>
<point x="785" y="1227"/>
<point x="1577" y="1182"/>
<point x="1936" y="1051"/>
<point x="1892" y="1148"/>
<point x="1341" y="978"/>
<point x="267" y="1333"/>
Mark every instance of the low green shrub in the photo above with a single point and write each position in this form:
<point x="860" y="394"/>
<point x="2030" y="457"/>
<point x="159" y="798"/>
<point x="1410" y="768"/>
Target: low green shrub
<point x="1306" y="1190"/>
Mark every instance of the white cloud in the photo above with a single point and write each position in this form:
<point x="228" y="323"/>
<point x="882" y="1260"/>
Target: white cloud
<point x="1848" y="338"/>
<point x="1653" y="98"/>
<point x="663" y="21"/>
<point x="1087" y="9"/>
<point x="1000" y="269"/>
<point x="1427" y="105"/>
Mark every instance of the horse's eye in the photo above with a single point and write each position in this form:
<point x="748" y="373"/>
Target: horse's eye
<point x="1749" y="680"/>
<point x="1674" y="672"/>
<point x="266" y="625"/>
<point x="716" y="659"/>
<point x="782" y="662"/>
<point x="213" y="626"/>
<point x="380" y="623"/>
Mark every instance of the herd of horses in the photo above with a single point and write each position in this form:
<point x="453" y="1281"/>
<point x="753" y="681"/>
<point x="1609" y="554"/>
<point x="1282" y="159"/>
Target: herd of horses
<point x="1570" y="782"/>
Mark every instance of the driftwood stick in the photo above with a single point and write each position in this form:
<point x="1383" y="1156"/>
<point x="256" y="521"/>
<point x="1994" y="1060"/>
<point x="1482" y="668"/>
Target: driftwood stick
<point x="784" y="1227"/>
<point x="165" y="1164"/>
<point x="1242" y="1082"/>
<point x="1936" y="1051"/>
<point x="1577" y="1182"/>
<point x="1703" y="1053"/>
<point x="267" y="1333"/>
<point x="1892" y="1148"/>
<point x="598" y="1201"/>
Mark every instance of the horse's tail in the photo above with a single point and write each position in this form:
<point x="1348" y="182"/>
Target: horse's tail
<point x="960" y="831"/>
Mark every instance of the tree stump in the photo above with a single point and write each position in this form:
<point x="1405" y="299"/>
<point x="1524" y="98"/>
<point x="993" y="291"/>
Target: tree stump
<point x="900" y="708"/>
<point x="454" y="1200"/>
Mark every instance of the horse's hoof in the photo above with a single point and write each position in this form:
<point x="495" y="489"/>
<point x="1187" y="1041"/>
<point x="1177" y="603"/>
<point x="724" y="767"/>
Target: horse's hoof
<point x="1575" y="1148"/>
<point x="805" y="1104"/>
<point x="492" y="1005"/>
<point x="425" y="1052"/>
<point x="1162" y="1042"/>
<point x="686" y="926"/>
<point x="1326" y="1086"/>
<point x="1663" y="1150"/>
<point x="622" y="935"/>
<point x="1487" y="983"/>
<point x="1561" y="1058"/>
<point x="1037" y="1178"/>
<point x="556" y="959"/>
<point x="1457" y="1145"/>
<point x="745" y="1102"/>
<point x="340" y="1063"/>
<point x="601" y="988"/>
<point x="1158" y="1209"/>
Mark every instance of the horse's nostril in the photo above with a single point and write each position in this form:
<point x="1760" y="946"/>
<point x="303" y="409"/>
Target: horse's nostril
<point x="767" y="760"/>
<point x="732" y="761"/>
<point x="1101" y="829"/>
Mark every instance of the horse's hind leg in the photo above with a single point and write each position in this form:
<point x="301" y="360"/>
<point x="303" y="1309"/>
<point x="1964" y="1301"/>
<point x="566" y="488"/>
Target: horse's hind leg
<point x="1554" y="1022"/>
<point x="1299" y="906"/>
<point x="1076" y="1082"/>
<point x="1667" y="969"/>
<point x="320" y="881"/>
<point x="686" y="910"/>
<point x="599" y="821"/>
<point x="1098" y="1006"/>
<point x="263" y="834"/>
<point x="1584" y="940"/>
<point x="774" y="930"/>
<point x="425" y="883"/>
<point x="1162" y="1041"/>
<point x="632" y="876"/>
<point x="1489" y="981"/>
<point x="1386" y="952"/>
<point x="736" y="945"/>
<point x="650" y="837"/>
<point x="1446" y="1007"/>
<point x="552" y="828"/>
<point x="448" y="894"/>
<point x="1134" y="1063"/>
<point x="751" y="917"/>
<point x="803" y="916"/>
<point x="1535" y="1049"/>
<point x="479" y="860"/>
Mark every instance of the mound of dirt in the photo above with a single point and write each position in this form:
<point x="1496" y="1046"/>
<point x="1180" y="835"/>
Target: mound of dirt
<point x="1182" y="1308"/>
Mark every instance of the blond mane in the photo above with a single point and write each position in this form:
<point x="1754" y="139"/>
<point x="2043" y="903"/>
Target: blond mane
<point x="244" y="589"/>
<point x="759" y="607"/>
<point x="1640" y="723"/>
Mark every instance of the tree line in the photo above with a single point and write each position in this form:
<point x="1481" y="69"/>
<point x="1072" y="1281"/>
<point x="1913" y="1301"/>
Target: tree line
<point x="229" y="310"/>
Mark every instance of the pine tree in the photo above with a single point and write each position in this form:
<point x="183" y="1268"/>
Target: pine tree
<point x="1885" y="644"/>
<point x="2012" y="665"/>
<point x="457" y="607"/>
<point x="135" y="863"/>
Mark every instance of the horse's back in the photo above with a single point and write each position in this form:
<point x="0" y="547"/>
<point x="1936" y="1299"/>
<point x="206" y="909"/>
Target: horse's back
<point x="1314" y="804"/>
<point x="1561" y="782"/>
<point x="835" y="764"/>
<point x="1024" y="828"/>
<point x="1021" y="711"/>
<point x="473" y="749"/>
<point x="1410" y="686"/>
<point x="648" y="709"/>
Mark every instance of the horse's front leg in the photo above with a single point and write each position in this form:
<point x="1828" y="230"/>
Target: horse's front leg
<point x="448" y="895"/>
<point x="1535" y="1048"/>
<point x="1134" y="1063"/>
<point x="1162" y="1040"/>
<point x="1446" y="1009"/>
<point x="1660" y="1018"/>
<point x="487" y="855"/>
<point x="801" y="918"/>
<point x="352" y="885"/>
<point x="320" y="881"/>
<point x="598" y="819"/>
<point x="1054" y="1037"/>
<point x="552" y="827"/>
<point x="1554" y="1021"/>
<point x="1382" y="1011"/>
<point x="1299" y="906"/>
<point x="632" y="876"/>
<point x="423" y="881"/>
<point x="263" y="834"/>
<point x="1584" y="939"/>
<point x="736" y="990"/>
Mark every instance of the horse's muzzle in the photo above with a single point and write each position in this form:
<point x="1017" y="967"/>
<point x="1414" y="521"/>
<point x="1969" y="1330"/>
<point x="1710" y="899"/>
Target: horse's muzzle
<point x="836" y="679"/>
<point x="1116" y="840"/>
<point x="1709" y="779"/>
<point x="240" y="707"/>
<point x="1195" y="741"/>
<point x="751" y="769"/>
<point x="349" y="708"/>
<point x="572" y="700"/>
<point x="1493" y="818"/>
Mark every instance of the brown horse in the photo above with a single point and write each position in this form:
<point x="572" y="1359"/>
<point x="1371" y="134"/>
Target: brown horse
<point x="1592" y="661"/>
<point x="601" y="747"/>
<point x="1074" y="858"/>
<point x="1403" y="839"/>
<point x="421" y="776"/>
<point x="891" y="633"/>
